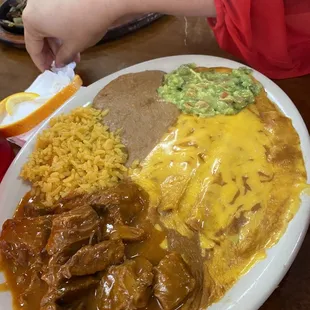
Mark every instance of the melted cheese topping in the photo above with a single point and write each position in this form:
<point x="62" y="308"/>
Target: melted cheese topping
<point x="225" y="178"/>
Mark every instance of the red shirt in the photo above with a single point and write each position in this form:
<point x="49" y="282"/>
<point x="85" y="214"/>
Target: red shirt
<point x="272" y="36"/>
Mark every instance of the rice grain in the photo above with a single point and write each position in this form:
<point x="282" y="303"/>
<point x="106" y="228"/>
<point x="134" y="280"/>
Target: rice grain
<point x="76" y="154"/>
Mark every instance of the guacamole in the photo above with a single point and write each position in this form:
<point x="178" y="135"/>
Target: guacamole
<point x="209" y="93"/>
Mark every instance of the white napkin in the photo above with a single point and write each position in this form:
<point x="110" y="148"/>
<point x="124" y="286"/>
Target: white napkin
<point x="50" y="82"/>
<point x="47" y="84"/>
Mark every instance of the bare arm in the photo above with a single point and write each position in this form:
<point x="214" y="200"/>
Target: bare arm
<point x="175" y="7"/>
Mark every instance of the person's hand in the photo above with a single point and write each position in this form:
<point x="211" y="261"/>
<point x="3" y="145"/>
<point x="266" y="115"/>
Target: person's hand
<point x="59" y="30"/>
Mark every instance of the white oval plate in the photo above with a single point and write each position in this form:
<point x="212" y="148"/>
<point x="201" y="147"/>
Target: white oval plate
<point x="252" y="290"/>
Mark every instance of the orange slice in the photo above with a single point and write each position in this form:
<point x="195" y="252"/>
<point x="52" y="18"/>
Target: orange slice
<point x="11" y="101"/>
<point x="2" y="107"/>
<point x="36" y="117"/>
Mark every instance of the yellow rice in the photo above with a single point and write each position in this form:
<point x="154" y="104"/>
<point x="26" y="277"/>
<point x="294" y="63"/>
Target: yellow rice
<point x="77" y="153"/>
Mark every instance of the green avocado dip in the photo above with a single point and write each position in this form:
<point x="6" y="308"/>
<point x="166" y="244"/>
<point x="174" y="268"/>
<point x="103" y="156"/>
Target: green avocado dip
<point x="209" y="93"/>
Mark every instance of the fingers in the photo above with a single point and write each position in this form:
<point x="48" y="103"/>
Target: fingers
<point x="35" y="47"/>
<point x="48" y="54"/>
<point x="67" y="53"/>
<point x="54" y="45"/>
<point x="44" y="51"/>
<point x="77" y="58"/>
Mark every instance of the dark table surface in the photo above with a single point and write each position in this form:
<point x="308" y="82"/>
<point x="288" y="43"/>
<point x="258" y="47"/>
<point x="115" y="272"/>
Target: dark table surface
<point x="167" y="37"/>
